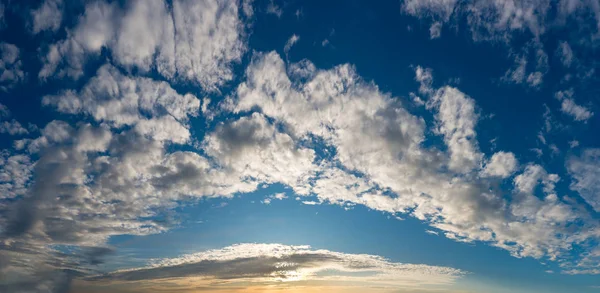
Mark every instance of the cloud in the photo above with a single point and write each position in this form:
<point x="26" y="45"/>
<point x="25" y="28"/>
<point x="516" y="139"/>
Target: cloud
<point x="379" y="159"/>
<point x="569" y="107"/>
<point x="501" y="164"/>
<point x="48" y="16"/>
<point x="291" y="41"/>
<point x="11" y="71"/>
<point x="12" y="127"/>
<point x="425" y="78"/>
<point x="456" y="118"/>
<point x="565" y="53"/>
<point x="277" y="263"/>
<point x="579" y="113"/>
<point x="513" y="23"/>
<point x="15" y="174"/>
<point x="153" y="107"/>
<point x="497" y="20"/>
<point x="274" y="9"/>
<point x="189" y="42"/>
<point x="435" y="30"/>
<point x="276" y="196"/>
<point x="585" y="170"/>
<point x="253" y="150"/>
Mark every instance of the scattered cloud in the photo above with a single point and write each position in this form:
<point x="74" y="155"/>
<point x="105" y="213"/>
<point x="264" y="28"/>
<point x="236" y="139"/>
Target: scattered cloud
<point x="189" y="41"/>
<point x="291" y="41"/>
<point x="274" y="9"/>
<point x="501" y="164"/>
<point x="11" y="71"/>
<point x="435" y="30"/>
<point x="48" y="16"/>
<point x="585" y="170"/>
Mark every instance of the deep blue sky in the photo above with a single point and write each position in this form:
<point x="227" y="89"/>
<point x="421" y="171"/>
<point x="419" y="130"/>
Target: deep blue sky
<point x="124" y="183"/>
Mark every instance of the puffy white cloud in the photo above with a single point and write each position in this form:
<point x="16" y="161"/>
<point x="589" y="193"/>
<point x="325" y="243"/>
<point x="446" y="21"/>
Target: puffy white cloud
<point x="435" y="30"/>
<point x="274" y="263"/>
<point x="569" y="107"/>
<point x="48" y="16"/>
<point x="565" y="53"/>
<point x="501" y="164"/>
<point x="585" y="171"/>
<point x="15" y="174"/>
<point x="276" y="196"/>
<point x="153" y="107"/>
<point x="456" y="118"/>
<point x="11" y="71"/>
<point x="253" y="150"/>
<point x="439" y="9"/>
<point x="194" y="41"/>
<point x="378" y="159"/>
<point x="425" y="78"/>
<point x="532" y="176"/>
<point x="579" y="113"/>
<point x="12" y="127"/>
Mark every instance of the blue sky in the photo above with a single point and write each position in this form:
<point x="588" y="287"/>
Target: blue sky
<point x="299" y="146"/>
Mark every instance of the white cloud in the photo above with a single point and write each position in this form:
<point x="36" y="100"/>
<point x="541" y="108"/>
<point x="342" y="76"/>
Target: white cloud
<point x="254" y="151"/>
<point x="190" y="42"/>
<point x="15" y="174"/>
<point x="11" y="72"/>
<point x="501" y="164"/>
<point x="456" y="120"/>
<point x="151" y="106"/>
<point x="579" y="113"/>
<point x="569" y="107"/>
<point x="276" y="196"/>
<point x="48" y="16"/>
<point x="585" y="171"/>
<point x="439" y="9"/>
<point x="274" y="9"/>
<point x="425" y="78"/>
<point x="565" y="53"/>
<point x="380" y="143"/>
<point x="274" y="263"/>
<point x="12" y="127"/>
<point x="291" y="41"/>
<point x="435" y="30"/>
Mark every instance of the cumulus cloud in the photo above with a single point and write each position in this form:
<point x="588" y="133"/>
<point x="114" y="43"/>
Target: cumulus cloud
<point x="11" y="71"/>
<point x="569" y="107"/>
<point x="48" y="16"/>
<point x="435" y="30"/>
<point x="501" y="164"/>
<point x="456" y="119"/>
<point x="565" y="54"/>
<point x="384" y="150"/>
<point x="194" y="41"/>
<point x="381" y="143"/>
<point x="425" y="78"/>
<point x="153" y="107"/>
<point x="585" y="170"/>
<point x="276" y="263"/>
<point x="276" y="196"/>
<point x="12" y="127"/>
<point x="578" y="112"/>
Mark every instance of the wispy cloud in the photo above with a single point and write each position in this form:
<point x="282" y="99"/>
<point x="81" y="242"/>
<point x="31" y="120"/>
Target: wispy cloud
<point x="260" y="264"/>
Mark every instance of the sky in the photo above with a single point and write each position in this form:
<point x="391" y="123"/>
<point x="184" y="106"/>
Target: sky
<point x="416" y="146"/>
